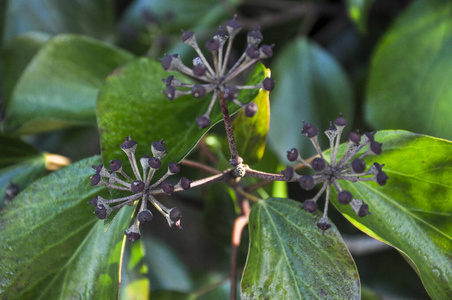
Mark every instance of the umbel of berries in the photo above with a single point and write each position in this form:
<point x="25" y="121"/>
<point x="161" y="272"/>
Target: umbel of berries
<point x="217" y="78"/>
<point x="140" y="187"/>
<point x="350" y="166"/>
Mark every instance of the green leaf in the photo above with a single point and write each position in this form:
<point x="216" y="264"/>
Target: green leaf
<point x="251" y="133"/>
<point x="16" y="55"/>
<point x="93" y="18"/>
<point x="311" y="86"/>
<point x="412" y="212"/>
<point x="52" y="244"/>
<point x="135" y="283"/>
<point x="131" y="102"/>
<point x="289" y="257"/>
<point x="409" y="86"/>
<point x="60" y="85"/>
<point x="358" y="10"/>
<point x="20" y="164"/>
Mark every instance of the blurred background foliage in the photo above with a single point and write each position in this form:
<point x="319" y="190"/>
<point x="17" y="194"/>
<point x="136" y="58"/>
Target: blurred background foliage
<point x="385" y="64"/>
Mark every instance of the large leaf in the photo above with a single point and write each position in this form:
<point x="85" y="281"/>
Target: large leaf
<point x="311" y="86"/>
<point x="20" y="164"/>
<point x="60" y="85"/>
<point x="131" y="103"/>
<point x="358" y="10"/>
<point x="409" y="86"/>
<point x="412" y="212"/>
<point x="52" y="246"/>
<point x="289" y="257"/>
<point x="89" y="17"/>
<point x="251" y="132"/>
<point x="16" y="55"/>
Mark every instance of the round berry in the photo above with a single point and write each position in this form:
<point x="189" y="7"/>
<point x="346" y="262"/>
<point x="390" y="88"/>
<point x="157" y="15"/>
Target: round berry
<point x="203" y="122"/>
<point x="133" y="234"/>
<point x="318" y="164"/>
<point x="137" y="186"/>
<point x="167" y="61"/>
<point x="94" y="201"/>
<point x="307" y="182"/>
<point x="363" y="210"/>
<point x="212" y="45"/>
<point x="145" y="216"/>
<point x="358" y="165"/>
<point x="252" y="52"/>
<point x="292" y="154"/>
<point x="185" y="183"/>
<point x="341" y="121"/>
<point x="288" y="173"/>
<point x="354" y="137"/>
<point x="174" y="168"/>
<point x="370" y="135"/>
<point x="344" y="197"/>
<point x="251" y="109"/>
<point x="115" y="165"/>
<point x="167" y="187"/>
<point x="376" y="147"/>
<point x="170" y="92"/>
<point x="323" y="226"/>
<point x="198" y="91"/>
<point x="310" y="206"/>
<point x="101" y="211"/>
<point x="230" y="92"/>
<point x="154" y="163"/>
<point x="199" y="70"/>
<point x="309" y="130"/>
<point x="268" y="84"/>
<point x="186" y="35"/>
<point x="128" y="143"/>
<point x="267" y="51"/>
<point x="382" y="178"/>
<point x="175" y="214"/>
<point x="95" y="179"/>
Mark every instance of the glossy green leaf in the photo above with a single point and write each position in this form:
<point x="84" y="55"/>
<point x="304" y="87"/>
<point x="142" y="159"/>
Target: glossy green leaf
<point x="412" y="212"/>
<point x="53" y="246"/>
<point x="311" y="86"/>
<point x="89" y="17"/>
<point x="131" y="102"/>
<point x="358" y="10"/>
<point x="409" y="86"/>
<point x="135" y="283"/>
<point x="16" y="55"/>
<point x="60" y="85"/>
<point x="20" y="164"/>
<point x="289" y="257"/>
<point x="251" y="133"/>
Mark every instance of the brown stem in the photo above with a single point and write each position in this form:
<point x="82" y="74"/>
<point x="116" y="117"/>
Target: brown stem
<point x="195" y="164"/>
<point x="235" y="158"/>
<point x="239" y="224"/>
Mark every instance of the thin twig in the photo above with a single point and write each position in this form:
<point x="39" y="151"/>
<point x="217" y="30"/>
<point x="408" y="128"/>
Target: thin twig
<point x="235" y="158"/>
<point x="195" y="164"/>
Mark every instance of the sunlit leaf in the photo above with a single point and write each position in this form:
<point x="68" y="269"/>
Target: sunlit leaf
<point x="289" y="257"/>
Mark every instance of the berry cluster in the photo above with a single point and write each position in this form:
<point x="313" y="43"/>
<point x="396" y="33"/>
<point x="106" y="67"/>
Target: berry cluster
<point x="347" y="167"/>
<point x="141" y="187"/>
<point x="217" y="79"/>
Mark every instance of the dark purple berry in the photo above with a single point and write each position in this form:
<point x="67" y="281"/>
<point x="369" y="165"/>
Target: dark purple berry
<point x="255" y="37"/>
<point x="378" y="166"/>
<point x="159" y="146"/>
<point x="198" y="91"/>
<point x="186" y="35"/>
<point x="310" y="206"/>
<point x="230" y="92"/>
<point x="309" y="130"/>
<point x="307" y="182"/>
<point x="145" y="216"/>
<point x="344" y="197"/>
<point x="94" y="201"/>
<point x="137" y="186"/>
<point x="175" y="214"/>
<point x="97" y="168"/>
<point x="354" y="137"/>
<point x="185" y="183"/>
<point x="128" y="143"/>
<point x="199" y="70"/>
<point x="233" y="26"/>
<point x="318" y="164"/>
<point x="266" y="51"/>
<point x="363" y="210"/>
<point x="375" y="147"/>
<point x="132" y="234"/>
<point x="167" y="60"/>
<point x="203" y="122"/>
<point x="170" y="92"/>
<point x="115" y="165"/>
<point x="95" y="179"/>
<point x="167" y="187"/>
<point x="331" y="128"/>
<point x="292" y="154"/>
<point x="168" y="80"/>
<point x="288" y="173"/>
<point x="174" y="168"/>
<point x="358" y="165"/>
<point x="252" y="52"/>
<point x="268" y="84"/>
<point x="212" y="45"/>
<point x="101" y="211"/>
<point x="382" y="178"/>
<point x="340" y="121"/>
<point x="370" y="135"/>
<point x="323" y="226"/>
<point x="154" y="163"/>
<point x="251" y="109"/>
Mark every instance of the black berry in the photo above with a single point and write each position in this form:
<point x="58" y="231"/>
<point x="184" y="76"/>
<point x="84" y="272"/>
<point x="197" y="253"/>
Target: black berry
<point x="145" y="216"/>
<point x="307" y="182"/>
<point x="344" y="197"/>
<point x="310" y="206"/>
